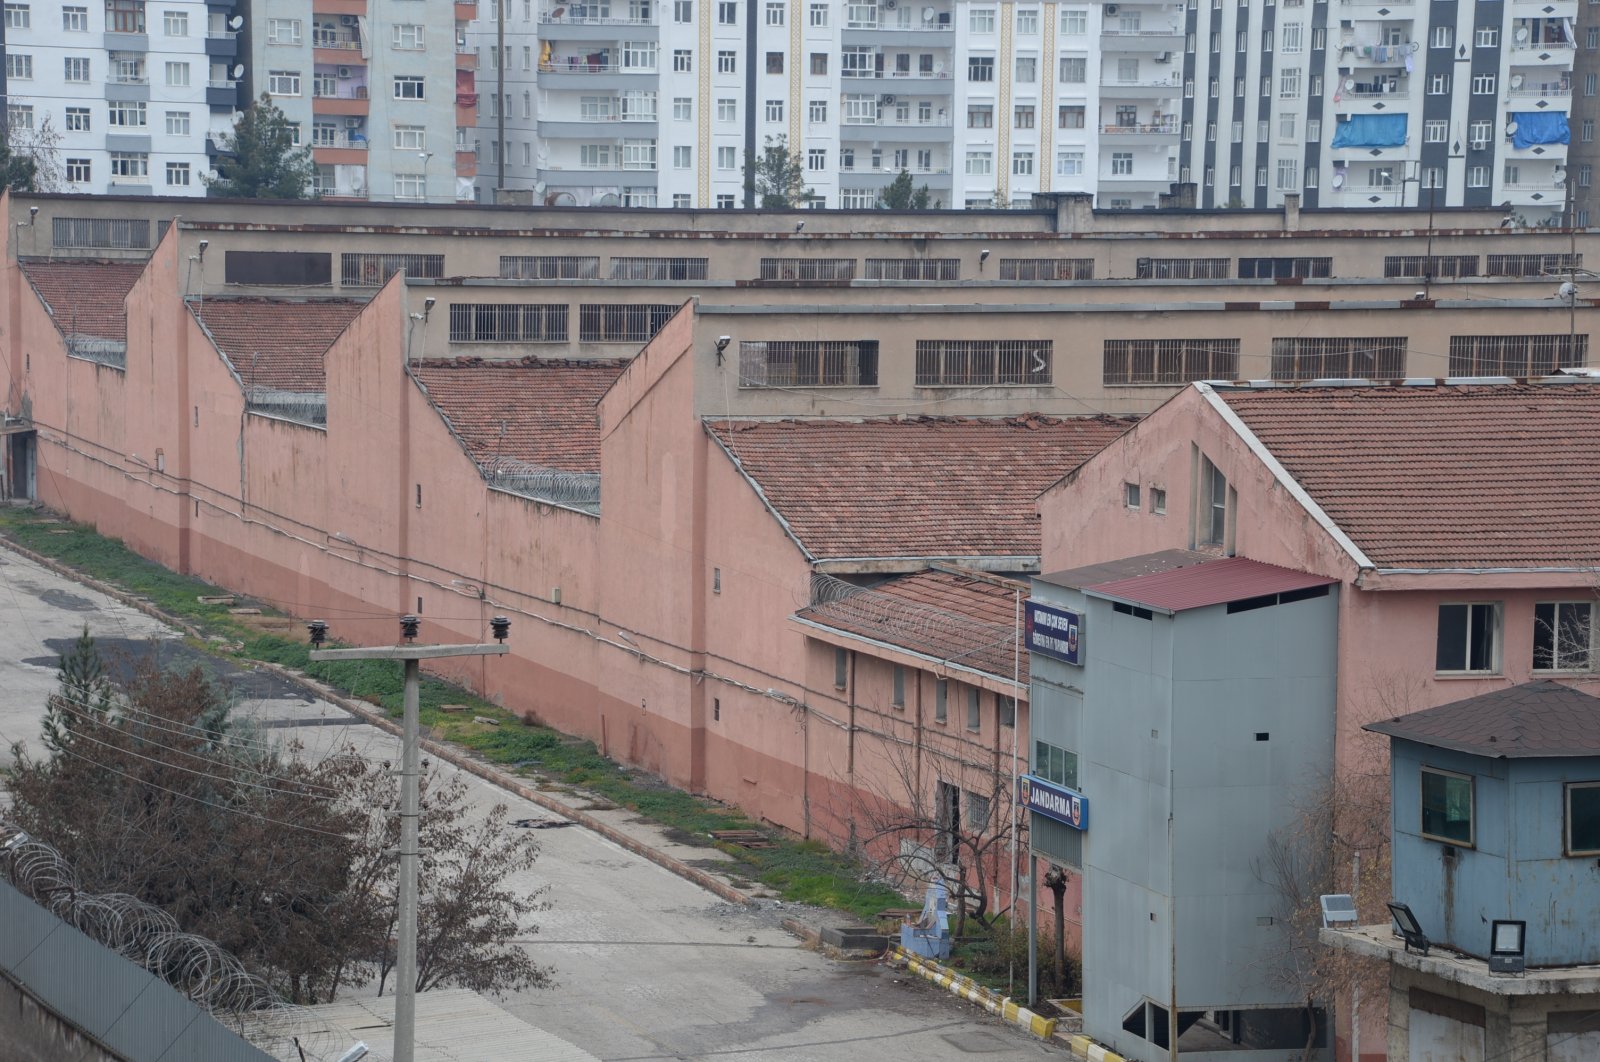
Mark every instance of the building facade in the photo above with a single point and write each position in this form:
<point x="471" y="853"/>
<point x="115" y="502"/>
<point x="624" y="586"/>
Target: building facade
<point x="132" y="94"/>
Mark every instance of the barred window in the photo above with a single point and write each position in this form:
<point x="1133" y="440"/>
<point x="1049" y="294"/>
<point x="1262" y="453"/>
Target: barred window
<point x="508" y="322"/>
<point x="1170" y="361"/>
<point x="808" y="269"/>
<point x="913" y="269"/>
<point x="1516" y="355"/>
<point x="1532" y="265"/>
<point x="1437" y="266"/>
<point x="549" y="267"/>
<point x="1184" y="269"/>
<point x="1047" y="269"/>
<point x="658" y="268"/>
<point x="100" y="232"/>
<point x="1339" y="358"/>
<point x="622" y="323"/>
<point x="1276" y="268"/>
<point x="374" y="270"/>
<point x="808" y="363"/>
<point x="976" y="362"/>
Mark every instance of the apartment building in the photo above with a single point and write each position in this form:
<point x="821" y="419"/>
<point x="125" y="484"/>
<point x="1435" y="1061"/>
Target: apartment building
<point x="136" y="91"/>
<point x="384" y="93"/>
<point x="1357" y="103"/>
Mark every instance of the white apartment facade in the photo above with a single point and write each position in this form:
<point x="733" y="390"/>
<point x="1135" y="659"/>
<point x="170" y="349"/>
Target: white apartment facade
<point x="136" y="91"/>
<point x="1354" y="103"/>
<point x="383" y="93"/>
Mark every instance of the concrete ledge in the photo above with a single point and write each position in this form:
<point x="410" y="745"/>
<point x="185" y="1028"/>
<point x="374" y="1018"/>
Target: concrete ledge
<point x="1087" y="1049"/>
<point x="968" y="989"/>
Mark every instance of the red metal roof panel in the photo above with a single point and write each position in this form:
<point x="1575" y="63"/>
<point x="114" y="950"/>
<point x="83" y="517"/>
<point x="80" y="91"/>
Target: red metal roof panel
<point x="1213" y="583"/>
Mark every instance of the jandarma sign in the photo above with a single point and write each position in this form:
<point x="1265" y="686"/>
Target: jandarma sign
<point x="1054" y="632"/>
<point x="1053" y="801"/>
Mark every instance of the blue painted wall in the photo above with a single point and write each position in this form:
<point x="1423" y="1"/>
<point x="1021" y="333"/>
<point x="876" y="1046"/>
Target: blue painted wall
<point x="1517" y="867"/>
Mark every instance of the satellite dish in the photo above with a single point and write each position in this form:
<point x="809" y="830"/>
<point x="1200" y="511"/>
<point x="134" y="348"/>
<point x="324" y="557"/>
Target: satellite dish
<point x="1349" y="84"/>
<point x="1511" y="129"/>
<point x="929" y="15"/>
<point x="238" y="71"/>
<point x="610" y="199"/>
<point x="236" y="22"/>
<point x="1521" y="34"/>
<point x="1516" y="81"/>
<point x="1338" y="180"/>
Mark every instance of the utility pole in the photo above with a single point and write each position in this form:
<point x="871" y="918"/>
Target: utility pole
<point x="405" y="988"/>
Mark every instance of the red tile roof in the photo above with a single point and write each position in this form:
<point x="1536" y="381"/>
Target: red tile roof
<point x="277" y="343"/>
<point x="86" y="297"/>
<point x="1449" y="476"/>
<point x="965" y="620"/>
<point x="923" y="487"/>
<point x="1213" y="582"/>
<point x="1531" y="720"/>
<point x="540" y="412"/>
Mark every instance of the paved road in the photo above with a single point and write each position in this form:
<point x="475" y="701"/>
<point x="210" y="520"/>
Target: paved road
<point x="649" y="966"/>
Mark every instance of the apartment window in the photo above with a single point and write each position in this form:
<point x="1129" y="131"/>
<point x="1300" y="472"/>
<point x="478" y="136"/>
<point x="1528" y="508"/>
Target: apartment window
<point x="1288" y="178"/>
<point x="1583" y="818"/>
<point x="1074" y="69"/>
<point x="639" y="154"/>
<point x="818" y="15"/>
<point x="1443" y="36"/>
<point x="647" y="268"/>
<point x="1027" y="69"/>
<point x="1533" y="265"/>
<point x="913" y="269"/>
<point x="541" y="267"/>
<point x="20" y="115"/>
<point x="1563" y="635"/>
<point x="77" y="119"/>
<point x="819" y="64"/>
<point x="1585" y="175"/>
<point x="1130" y="496"/>
<point x="639" y="56"/>
<point x="409" y="36"/>
<point x="974" y="708"/>
<point x="683" y="11"/>
<point x="1184" y="269"/>
<point x="981" y="20"/>
<point x="808" y="363"/>
<point x="1122" y="163"/>
<point x="1022" y="116"/>
<point x="817" y="111"/>
<point x="980" y="68"/>
<point x="980" y="163"/>
<point x="622" y="323"/>
<point x="1477" y="176"/>
<point x="1439" y="85"/>
<point x="1447" y="806"/>
<point x="980" y="116"/>
<point x="175" y="24"/>
<point x="18" y="16"/>
<point x="1339" y="357"/>
<point x="499" y="322"/>
<point x="283" y="82"/>
<point x="727" y="109"/>
<point x="1589" y="81"/>
<point x="1127" y="70"/>
<point x="727" y="62"/>
<point x="1075" y="22"/>
<point x="727" y="157"/>
<point x="125" y="16"/>
<point x="1416" y="265"/>
<point x="774" y="62"/>
<point x="897" y="693"/>
<point x="75" y="19"/>
<point x="1435" y="131"/>
<point x="1213" y="504"/>
<point x="983" y="362"/>
<point x="1028" y="23"/>
<point x="682" y="157"/>
<point x="1055" y="764"/>
<point x="78" y="171"/>
<point x="19" y="67"/>
<point x="595" y="157"/>
<point x="1524" y="355"/>
<point x="1071" y="116"/>
<point x="727" y="13"/>
<point x="1289" y="84"/>
<point x="1276" y="268"/>
<point x="775" y="12"/>
<point x="1022" y="164"/>
<point x="1486" y="37"/>
<point x="130" y="165"/>
<point x="411" y="87"/>
<point x="410" y="186"/>
<point x="774" y="110"/>
<point x="1469" y="639"/>
<point x="1483" y="84"/>
<point x="1293" y="38"/>
<point x="816" y="158"/>
<point x="178" y="174"/>
<point x="127" y="115"/>
<point x="1591" y="38"/>
<point x="1158" y="501"/>
<point x="411" y="137"/>
<point x="941" y="700"/>
<point x="75" y="69"/>
<point x="1169" y="361"/>
<point x="857" y="198"/>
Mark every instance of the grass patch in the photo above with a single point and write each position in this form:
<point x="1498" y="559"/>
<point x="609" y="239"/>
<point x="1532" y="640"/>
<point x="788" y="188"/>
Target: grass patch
<point x="799" y="871"/>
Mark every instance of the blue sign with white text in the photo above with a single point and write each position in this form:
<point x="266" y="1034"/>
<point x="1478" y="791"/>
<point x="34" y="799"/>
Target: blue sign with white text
<point x="1053" y="801"/>
<point x="1052" y="631"/>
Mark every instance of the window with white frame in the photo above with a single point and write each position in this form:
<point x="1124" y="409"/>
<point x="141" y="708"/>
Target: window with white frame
<point x="1122" y="163"/>
<point x="727" y="13"/>
<point x="175" y="24"/>
<point x="1477" y="176"/>
<point x="1433" y="177"/>
<point x="411" y="87"/>
<point x="1563" y="635"/>
<point x="408" y="36"/>
<point x="980" y="68"/>
<point x="817" y="111"/>
<point x="1288" y="175"/>
<point x="411" y="138"/>
<point x="79" y="171"/>
<point x="639" y="56"/>
<point x="18" y="16"/>
<point x="178" y="76"/>
<point x="283" y="31"/>
<point x="178" y="174"/>
<point x="1075" y="22"/>
<point x="20" y="115"/>
<point x="1447" y="806"/>
<point x="1293" y="39"/>
<point x="78" y="120"/>
<point x="1288" y="125"/>
<point x="1444" y="36"/>
<point x="817" y="14"/>
<point x="126" y="114"/>
<point x="639" y="154"/>
<point x="774" y="111"/>
<point x="816" y="158"/>
<point x="1022" y="164"/>
<point x="776" y="10"/>
<point x="682" y="108"/>
<point x="75" y="19"/>
<point x="727" y="109"/>
<point x="596" y="157"/>
<point x="283" y="82"/>
<point x="1439" y="85"/>
<point x="727" y="62"/>
<point x="980" y="20"/>
<point x="1028" y="69"/>
<point x="1434" y="131"/>
<point x="1212" y="505"/>
<point x="638" y="105"/>
<point x="1028" y="23"/>
<point x="727" y="157"/>
<point x="1289" y="84"/>
<point x="1069" y="163"/>
<point x="19" y="66"/>
<point x="1483" y="84"/>
<point x="130" y="165"/>
<point x="1074" y="69"/>
<point x="1486" y="37"/>
<point x="682" y="157"/>
<point x="980" y="163"/>
<point x="1468" y="638"/>
<point x="75" y="69"/>
<point x="410" y="186"/>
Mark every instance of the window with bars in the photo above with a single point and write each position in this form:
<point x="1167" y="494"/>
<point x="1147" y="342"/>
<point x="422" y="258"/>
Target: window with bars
<point x="808" y="363"/>
<point x="1339" y="358"/>
<point x="1047" y="269"/>
<point x="373" y="270"/>
<point x="100" y="232"/>
<point x="808" y="269"/>
<point x="1184" y="268"/>
<point x="508" y="322"/>
<point x="1439" y="265"/>
<point x="621" y="322"/>
<point x="658" y="268"/>
<point x="1275" y="268"/>
<point x="1534" y="355"/>
<point x="1532" y="265"/>
<point x="913" y="269"/>
<point x="1170" y="361"/>
<point x="549" y="267"/>
<point x="977" y="362"/>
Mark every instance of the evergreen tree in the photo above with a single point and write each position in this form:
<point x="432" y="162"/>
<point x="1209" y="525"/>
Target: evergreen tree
<point x="260" y="160"/>
<point x="83" y="693"/>
<point x="778" y="176"/>
<point x="902" y="195"/>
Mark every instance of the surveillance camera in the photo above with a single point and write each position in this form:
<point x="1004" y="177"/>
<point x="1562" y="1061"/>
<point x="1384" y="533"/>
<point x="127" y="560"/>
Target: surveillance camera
<point x="416" y="317"/>
<point x="356" y="1052"/>
<point x="799" y="226"/>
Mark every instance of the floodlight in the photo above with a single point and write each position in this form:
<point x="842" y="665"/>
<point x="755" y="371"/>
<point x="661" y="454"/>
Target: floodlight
<point x="1508" y="940"/>
<point x="1409" y="927"/>
<point x="1338" y="909"/>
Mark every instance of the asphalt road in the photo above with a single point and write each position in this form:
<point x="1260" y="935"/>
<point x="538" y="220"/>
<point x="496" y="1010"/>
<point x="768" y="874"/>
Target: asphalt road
<point x="648" y="965"/>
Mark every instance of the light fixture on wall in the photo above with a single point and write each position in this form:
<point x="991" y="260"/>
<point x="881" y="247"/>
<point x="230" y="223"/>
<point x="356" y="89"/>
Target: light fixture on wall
<point x="1409" y="927"/>
<point x="1508" y="939"/>
<point x="722" y="345"/>
<point x="1338" y="909"/>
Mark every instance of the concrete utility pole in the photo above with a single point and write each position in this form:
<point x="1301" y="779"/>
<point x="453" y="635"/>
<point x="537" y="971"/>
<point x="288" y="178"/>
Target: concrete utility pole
<point x="405" y="988"/>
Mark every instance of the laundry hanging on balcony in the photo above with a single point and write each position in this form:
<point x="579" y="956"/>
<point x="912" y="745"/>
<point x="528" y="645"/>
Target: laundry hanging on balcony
<point x="1371" y="130"/>
<point x="1528" y="128"/>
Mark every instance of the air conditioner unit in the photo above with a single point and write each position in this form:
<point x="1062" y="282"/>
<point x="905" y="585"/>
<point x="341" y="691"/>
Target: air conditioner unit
<point x="349" y="20"/>
<point x="1480" y="145"/>
<point x="886" y="99"/>
<point x="888" y="5"/>
<point x="344" y="73"/>
<point x="1111" y="9"/>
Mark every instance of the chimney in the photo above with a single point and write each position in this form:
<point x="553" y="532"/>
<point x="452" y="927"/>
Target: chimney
<point x="1291" y="212"/>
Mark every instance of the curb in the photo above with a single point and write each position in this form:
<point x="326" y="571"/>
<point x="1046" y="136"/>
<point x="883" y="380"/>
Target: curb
<point x="1090" y="1051"/>
<point x="450" y="755"/>
<point x="968" y="989"/>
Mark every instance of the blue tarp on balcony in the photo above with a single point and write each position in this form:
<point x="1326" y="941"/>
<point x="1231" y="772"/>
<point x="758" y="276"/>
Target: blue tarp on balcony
<point x="1371" y="130"/>
<point x="1536" y="127"/>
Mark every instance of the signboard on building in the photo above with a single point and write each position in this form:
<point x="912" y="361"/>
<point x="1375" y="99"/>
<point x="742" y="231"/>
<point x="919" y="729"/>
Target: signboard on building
<point x="1053" y="801"/>
<point x="1054" y="632"/>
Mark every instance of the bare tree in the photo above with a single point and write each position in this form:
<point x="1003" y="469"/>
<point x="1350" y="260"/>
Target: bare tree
<point x="39" y="145"/>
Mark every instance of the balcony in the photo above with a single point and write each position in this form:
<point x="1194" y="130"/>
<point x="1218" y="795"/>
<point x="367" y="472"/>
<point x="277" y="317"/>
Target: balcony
<point x="1143" y="40"/>
<point x="1142" y="88"/>
<point x="605" y="127"/>
<point x="354" y="140"/>
<point x="466" y="60"/>
<point x="346" y="154"/>
<point x="597" y="70"/>
<point x="935" y="33"/>
<point x="339" y="7"/>
<point x="348" y="101"/>
<point x="128" y="79"/>
<point x="1523" y="89"/>
<point x="576" y="15"/>
<point x="466" y="163"/>
<point x="937" y="180"/>
<point x="1142" y="132"/>
<point x="897" y="130"/>
<point x="222" y="93"/>
<point x="466" y="12"/>
<point x="907" y="82"/>
<point x="222" y="44"/>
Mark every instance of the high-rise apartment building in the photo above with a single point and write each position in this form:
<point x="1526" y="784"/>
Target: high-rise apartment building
<point x="1347" y="103"/>
<point x="383" y="92"/>
<point x="134" y="92"/>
